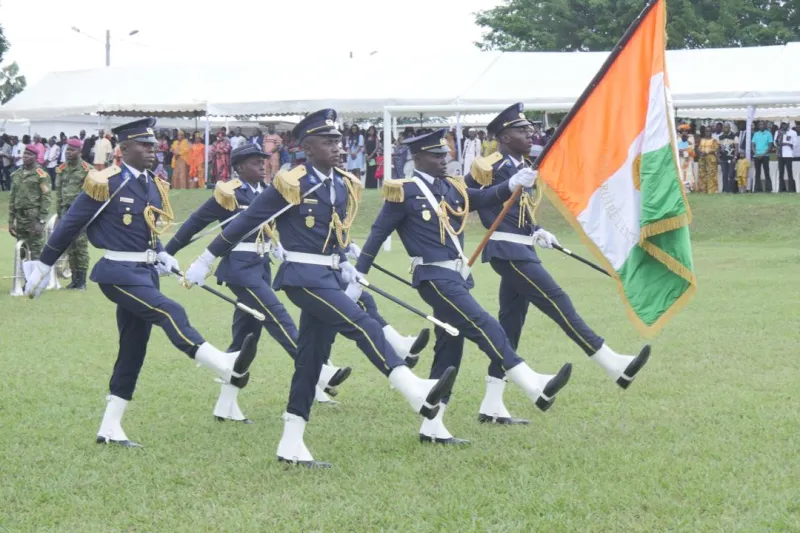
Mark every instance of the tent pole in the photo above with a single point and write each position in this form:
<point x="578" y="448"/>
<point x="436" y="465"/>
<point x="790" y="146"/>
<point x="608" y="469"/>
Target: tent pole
<point x="206" y="149"/>
<point x="387" y="161"/>
<point x="751" y="114"/>
<point x="458" y="137"/>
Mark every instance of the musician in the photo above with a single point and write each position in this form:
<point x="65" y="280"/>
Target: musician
<point x="523" y="279"/>
<point x="246" y="272"/>
<point x="29" y="202"/>
<point x="429" y="212"/>
<point x="120" y="208"/>
<point x="315" y="205"/>
<point x="70" y="176"/>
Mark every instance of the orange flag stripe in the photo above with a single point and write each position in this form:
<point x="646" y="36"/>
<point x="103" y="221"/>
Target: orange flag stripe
<point x="595" y="144"/>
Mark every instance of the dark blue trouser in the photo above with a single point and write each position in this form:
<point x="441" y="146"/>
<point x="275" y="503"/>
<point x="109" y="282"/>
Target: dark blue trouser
<point x="323" y="313"/>
<point x="138" y="308"/>
<point x="452" y="303"/>
<point x="278" y="323"/>
<point x="367" y="303"/>
<point x="526" y="282"/>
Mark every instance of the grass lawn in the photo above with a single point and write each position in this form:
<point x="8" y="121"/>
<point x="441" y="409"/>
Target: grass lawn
<point x="705" y="440"/>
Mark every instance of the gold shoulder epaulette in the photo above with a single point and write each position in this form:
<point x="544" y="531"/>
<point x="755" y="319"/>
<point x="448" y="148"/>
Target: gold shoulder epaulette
<point x="225" y="194"/>
<point x="394" y="191"/>
<point x="457" y="180"/>
<point x="96" y="182"/>
<point x="42" y="173"/>
<point x="287" y="183"/>
<point x="60" y="168"/>
<point x="481" y="169"/>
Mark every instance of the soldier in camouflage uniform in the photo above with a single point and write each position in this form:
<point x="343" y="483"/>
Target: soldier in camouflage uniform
<point x="69" y="183"/>
<point x="29" y="203"/>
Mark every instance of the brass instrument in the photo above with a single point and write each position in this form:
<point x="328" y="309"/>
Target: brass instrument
<point x="61" y="268"/>
<point x="18" y="284"/>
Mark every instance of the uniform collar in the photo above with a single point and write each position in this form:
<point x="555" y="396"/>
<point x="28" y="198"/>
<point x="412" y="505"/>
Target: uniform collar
<point x="133" y="171"/>
<point x="257" y="189"/>
<point x="427" y="177"/>
<point x="322" y="176"/>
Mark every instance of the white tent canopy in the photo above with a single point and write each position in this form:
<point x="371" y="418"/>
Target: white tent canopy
<point x="409" y="84"/>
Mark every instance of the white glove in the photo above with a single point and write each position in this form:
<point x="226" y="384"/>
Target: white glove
<point x="544" y="239"/>
<point x="278" y="252"/>
<point x="353" y="291"/>
<point x="35" y="273"/>
<point x="198" y="271"/>
<point x="524" y="178"/>
<point x="349" y="273"/>
<point x="353" y="251"/>
<point x="166" y="263"/>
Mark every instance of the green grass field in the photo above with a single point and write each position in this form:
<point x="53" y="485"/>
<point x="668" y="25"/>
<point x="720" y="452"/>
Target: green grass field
<point x="705" y="440"/>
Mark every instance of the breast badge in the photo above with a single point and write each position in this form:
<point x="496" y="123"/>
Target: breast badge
<point x="426" y="215"/>
<point x="127" y="218"/>
<point x="309" y="222"/>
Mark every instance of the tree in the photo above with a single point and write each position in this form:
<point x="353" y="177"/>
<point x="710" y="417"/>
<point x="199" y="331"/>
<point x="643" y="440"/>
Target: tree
<point x="3" y="44"/>
<point x="11" y="83"/>
<point x="594" y="25"/>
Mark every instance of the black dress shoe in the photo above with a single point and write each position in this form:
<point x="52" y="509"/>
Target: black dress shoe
<point x="421" y="342"/>
<point x="243" y="421"/>
<point x="244" y="360"/>
<point x="501" y="420"/>
<point x="634" y="367"/>
<point x="555" y="384"/>
<point x="338" y="378"/>
<point x="123" y="443"/>
<point x="306" y="464"/>
<point x="441" y="390"/>
<point x="452" y="441"/>
<point x="411" y="361"/>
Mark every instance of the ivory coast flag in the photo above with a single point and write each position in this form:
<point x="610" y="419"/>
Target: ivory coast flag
<point x="612" y="171"/>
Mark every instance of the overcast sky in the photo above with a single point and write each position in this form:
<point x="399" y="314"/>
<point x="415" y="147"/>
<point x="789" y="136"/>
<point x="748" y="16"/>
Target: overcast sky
<point x="173" y="31"/>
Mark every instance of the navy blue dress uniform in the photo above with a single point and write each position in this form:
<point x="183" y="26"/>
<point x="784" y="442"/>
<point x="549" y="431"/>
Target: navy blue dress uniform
<point x="130" y="203"/>
<point x="429" y="213"/>
<point x="246" y="272"/>
<point x="511" y="253"/>
<point x="314" y="230"/>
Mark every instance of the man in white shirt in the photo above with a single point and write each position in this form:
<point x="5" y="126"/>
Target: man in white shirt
<point x="785" y="141"/>
<point x="51" y="159"/>
<point x="102" y="151"/>
<point x="238" y="139"/>
<point x="17" y="151"/>
<point x="472" y="150"/>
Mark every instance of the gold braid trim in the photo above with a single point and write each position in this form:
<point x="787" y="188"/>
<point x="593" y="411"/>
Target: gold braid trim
<point x="529" y="205"/>
<point x="152" y="213"/>
<point x="445" y="210"/>
<point x="266" y="232"/>
<point x="342" y="229"/>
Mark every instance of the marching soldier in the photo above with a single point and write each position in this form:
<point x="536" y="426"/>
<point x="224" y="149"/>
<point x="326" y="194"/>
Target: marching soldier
<point x="524" y="280"/>
<point x="70" y="176"/>
<point x="429" y="212"/>
<point x="29" y="203"/>
<point x="315" y="206"/>
<point x="246" y="272"/>
<point x="120" y="208"/>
